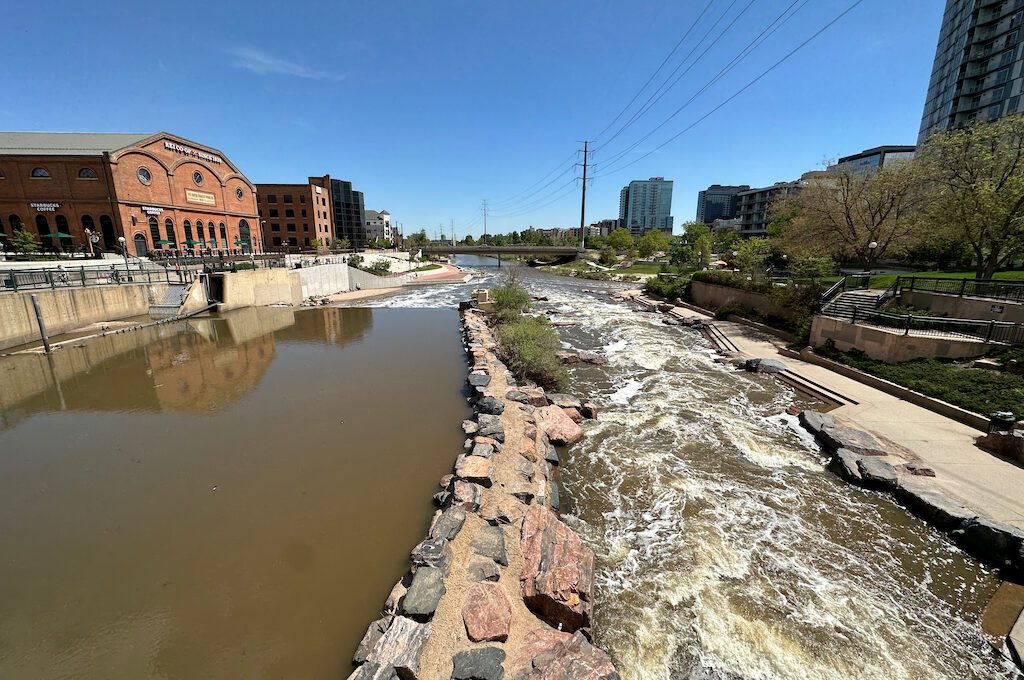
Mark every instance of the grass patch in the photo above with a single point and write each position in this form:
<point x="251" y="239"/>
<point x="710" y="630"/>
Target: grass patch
<point x="978" y="390"/>
<point x="425" y="268"/>
<point x="641" y="268"/>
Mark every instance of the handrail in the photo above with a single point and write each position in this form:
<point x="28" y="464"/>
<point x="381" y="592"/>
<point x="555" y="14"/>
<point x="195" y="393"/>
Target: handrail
<point x="837" y="288"/>
<point x="984" y="288"/>
<point x="979" y="329"/>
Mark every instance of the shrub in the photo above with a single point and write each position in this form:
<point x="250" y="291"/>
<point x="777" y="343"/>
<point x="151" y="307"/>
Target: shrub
<point x="510" y="300"/>
<point x="668" y="287"/>
<point x="355" y="261"/>
<point x="529" y="347"/>
<point x="724" y="278"/>
<point x="379" y="268"/>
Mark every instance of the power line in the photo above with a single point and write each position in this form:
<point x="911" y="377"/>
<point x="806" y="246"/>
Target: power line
<point x="743" y="89"/>
<point x="517" y="195"/>
<point x="658" y="70"/>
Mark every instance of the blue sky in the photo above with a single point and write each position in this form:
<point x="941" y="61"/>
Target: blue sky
<point x="430" y="107"/>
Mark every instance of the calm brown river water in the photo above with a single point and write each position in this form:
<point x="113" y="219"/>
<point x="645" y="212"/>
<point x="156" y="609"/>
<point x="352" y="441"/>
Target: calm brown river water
<point x="225" y="498"/>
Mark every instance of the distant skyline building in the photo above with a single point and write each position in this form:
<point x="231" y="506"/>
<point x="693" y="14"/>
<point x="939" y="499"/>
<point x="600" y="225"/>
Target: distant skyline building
<point x="878" y="157"/>
<point x="379" y="226"/>
<point x="603" y="227"/>
<point x="755" y="204"/>
<point x="977" y="72"/>
<point x="646" y="204"/>
<point x="719" y="202"/>
<point x="293" y="215"/>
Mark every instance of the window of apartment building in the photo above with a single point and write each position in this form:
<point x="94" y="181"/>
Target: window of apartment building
<point x="271" y="198"/>
<point x="1002" y="75"/>
<point x="291" y="226"/>
<point x="277" y="240"/>
<point x="273" y="212"/>
<point x="994" y="111"/>
<point x="306" y="241"/>
<point x="275" y="226"/>
<point x="289" y="213"/>
<point x="303" y="212"/>
<point x="1013" y="104"/>
<point x="287" y="198"/>
<point x="87" y="173"/>
<point x="292" y="241"/>
<point x="302" y="198"/>
<point x="305" y="226"/>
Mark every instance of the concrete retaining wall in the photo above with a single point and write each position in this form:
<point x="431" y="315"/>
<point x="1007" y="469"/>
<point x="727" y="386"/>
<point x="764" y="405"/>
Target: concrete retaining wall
<point x="713" y="296"/>
<point x="325" y="279"/>
<point x="888" y="346"/>
<point x="66" y="309"/>
<point x="957" y="307"/>
<point x="260" y="287"/>
<point x="360" y="280"/>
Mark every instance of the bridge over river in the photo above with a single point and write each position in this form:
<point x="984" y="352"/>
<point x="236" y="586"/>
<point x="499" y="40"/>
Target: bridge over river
<point x="560" y="251"/>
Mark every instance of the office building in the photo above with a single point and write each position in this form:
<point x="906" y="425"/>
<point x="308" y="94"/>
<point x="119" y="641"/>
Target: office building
<point x="294" y="215"/>
<point x="349" y="212"/>
<point x="646" y="204"/>
<point x="719" y="202"/>
<point x="873" y="159"/>
<point x="158" y="191"/>
<point x="603" y="227"/>
<point x="977" y="72"/>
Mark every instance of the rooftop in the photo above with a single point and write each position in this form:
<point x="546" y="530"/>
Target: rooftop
<point x="66" y="143"/>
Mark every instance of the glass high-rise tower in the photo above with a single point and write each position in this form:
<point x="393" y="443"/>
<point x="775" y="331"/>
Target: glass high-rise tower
<point x="646" y="204"/>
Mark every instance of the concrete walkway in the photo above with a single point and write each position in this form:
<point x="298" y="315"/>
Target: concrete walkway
<point x="989" y="485"/>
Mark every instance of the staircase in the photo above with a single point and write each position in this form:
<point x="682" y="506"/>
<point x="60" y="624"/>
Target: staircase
<point x="173" y="299"/>
<point x="842" y="306"/>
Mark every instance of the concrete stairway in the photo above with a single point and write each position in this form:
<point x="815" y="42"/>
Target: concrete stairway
<point x="843" y="305"/>
<point x="171" y="302"/>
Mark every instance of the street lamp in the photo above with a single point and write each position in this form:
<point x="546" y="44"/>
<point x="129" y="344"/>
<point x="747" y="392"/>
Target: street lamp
<point x="124" y="253"/>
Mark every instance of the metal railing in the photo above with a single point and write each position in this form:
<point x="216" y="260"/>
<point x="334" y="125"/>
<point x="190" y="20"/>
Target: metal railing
<point x="14" y="280"/>
<point x="982" y="288"/>
<point x="861" y="282"/>
<point x="985" y="331"/>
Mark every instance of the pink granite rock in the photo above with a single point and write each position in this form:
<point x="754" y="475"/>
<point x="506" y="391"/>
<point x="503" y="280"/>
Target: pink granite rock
<point x="487" y="613"/>
<point x="559" y="427"/>
<point x="558" y="570"/>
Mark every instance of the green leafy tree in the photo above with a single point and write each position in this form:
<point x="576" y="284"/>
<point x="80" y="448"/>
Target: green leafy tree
<point x="979" y="176"/>
<point x="682" y="255"/>
<point x="607" y="256"/>
<point x="752" y="256"/>
<point x="810" y="266"/>
<point x="24" y="242"/>
<point x="510" y="301"/>
<point x="620" y="239"/>
<point x="652" y="242"/>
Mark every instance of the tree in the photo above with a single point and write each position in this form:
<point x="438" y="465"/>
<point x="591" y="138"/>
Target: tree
<point x="415" y="242"/>
<point x="752" y="256"/>
<point x="620" y="239"/>
<point x="857" y="215"/>
<point x="607" y="256"/>
<point x="652" y="242"/>
<point x="681" y="255"/>
<point x="24" y="242"/>
<point x="470" y="241"/>
<point x="979" y="176"/>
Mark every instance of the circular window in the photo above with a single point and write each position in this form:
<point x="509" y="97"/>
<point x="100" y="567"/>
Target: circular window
<point x="144" y="176"/>
<point x="197" y="177"/>
<point x="239" y="193"/>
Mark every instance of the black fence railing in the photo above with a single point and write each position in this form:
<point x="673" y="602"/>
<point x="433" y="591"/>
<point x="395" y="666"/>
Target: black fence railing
<point x="982" y="288"/>
<point x="14" y="280"/>
<point x="844" y="284"/>
<point x="911" y="324"/>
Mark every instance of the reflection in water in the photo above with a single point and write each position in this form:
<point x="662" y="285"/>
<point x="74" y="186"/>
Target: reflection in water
<point x="226" y="498"/>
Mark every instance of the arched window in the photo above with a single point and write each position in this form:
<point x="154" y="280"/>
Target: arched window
<point x="40" y="173"/>
<point x="224" y="234"/>
<point x="243" y="236"/>
<point x="15" y="222"/>
<point x="188" y="232"/>
<point x="87" y="173"/>
<point x="107" y="229"/>
<point x="172" y="240"/>
<point x="2" y="175"/>
<point x="154" y="232"/>
<point x="43" y="229"/>
<point x="64" y="230"/>
<point x="200" y="231"/>
<point x="3" y="232"/>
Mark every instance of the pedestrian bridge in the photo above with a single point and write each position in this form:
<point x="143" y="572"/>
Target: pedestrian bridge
<point x="438" y="249"/>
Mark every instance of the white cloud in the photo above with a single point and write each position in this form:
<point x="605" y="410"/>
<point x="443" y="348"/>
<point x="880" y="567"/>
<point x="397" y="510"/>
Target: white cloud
<point x="263" y="64"/>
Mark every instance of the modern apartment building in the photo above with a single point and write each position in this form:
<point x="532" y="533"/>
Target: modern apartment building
<point x="293" y="215"/>
<point x="719" y="202"/>
<point x="755" y="204"/>
<point x="602" y="227"/>
<point x="379" y="226"/>
<point x="878" y="157"/>
<point x="646" y="204"/>
<point x="977" y="73"/>
<point x="349" y="212"/>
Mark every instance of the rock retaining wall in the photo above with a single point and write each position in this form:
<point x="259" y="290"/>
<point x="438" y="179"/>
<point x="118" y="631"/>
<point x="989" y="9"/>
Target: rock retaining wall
<point x="500" y="587"/>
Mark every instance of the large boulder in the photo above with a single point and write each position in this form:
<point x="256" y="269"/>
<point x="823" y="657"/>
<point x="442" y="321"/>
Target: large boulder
<point x="764" y="365"/>
<point x="373" y="671"/>
<point x="934" y="507"/>
<point x="401" y="647"/>
<point x="877" y="474"/>
<point x="490" y="405"/>
<point x="448" y="523"/>
<point x="490" y="426"/>
<point x="844" y="464"/>
<point x="993" y="542"/>
<point x="482" y="569"/>
<point x="588" y="357"/>
<point x="483" y="663"/>
<point x="373" y="634"/>
<point x="559" y="427"/>
<point x="565" y="401"/>
<point x="558" y="570"/>
<point x="487" y="613"/>
<point x="490" y="542"/>
<point x="475" y="469"/>
<point x="834" y="437"/>
<point x="432" y="552"/>
<point x="815" y="421"/>
<point x="427" y="589"/>
<point x="565" y="657"/>
<point x="482" y="449"/>
<point x="467" y="494"/>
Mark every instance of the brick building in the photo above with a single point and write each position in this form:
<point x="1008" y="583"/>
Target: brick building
<point x="293" y="215"/>
<point x="159" y="191"/>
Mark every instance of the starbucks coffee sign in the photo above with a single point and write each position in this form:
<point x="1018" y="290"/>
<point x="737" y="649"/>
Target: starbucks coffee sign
<point x="45" y="207"/>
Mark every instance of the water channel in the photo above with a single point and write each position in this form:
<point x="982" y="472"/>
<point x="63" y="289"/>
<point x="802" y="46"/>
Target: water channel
<point x="724" y="548"/>
<point x="234" y="498"/>
<point x="229" y="498"/>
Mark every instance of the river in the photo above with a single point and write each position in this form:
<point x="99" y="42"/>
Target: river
<point x="228" y="498"/>
<point x="724" y="548"/>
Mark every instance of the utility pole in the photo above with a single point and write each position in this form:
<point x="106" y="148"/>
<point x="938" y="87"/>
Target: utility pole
<point x="583" y="202"/>
<point x="451" y="221"/>
<point x="485" y="215"/>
